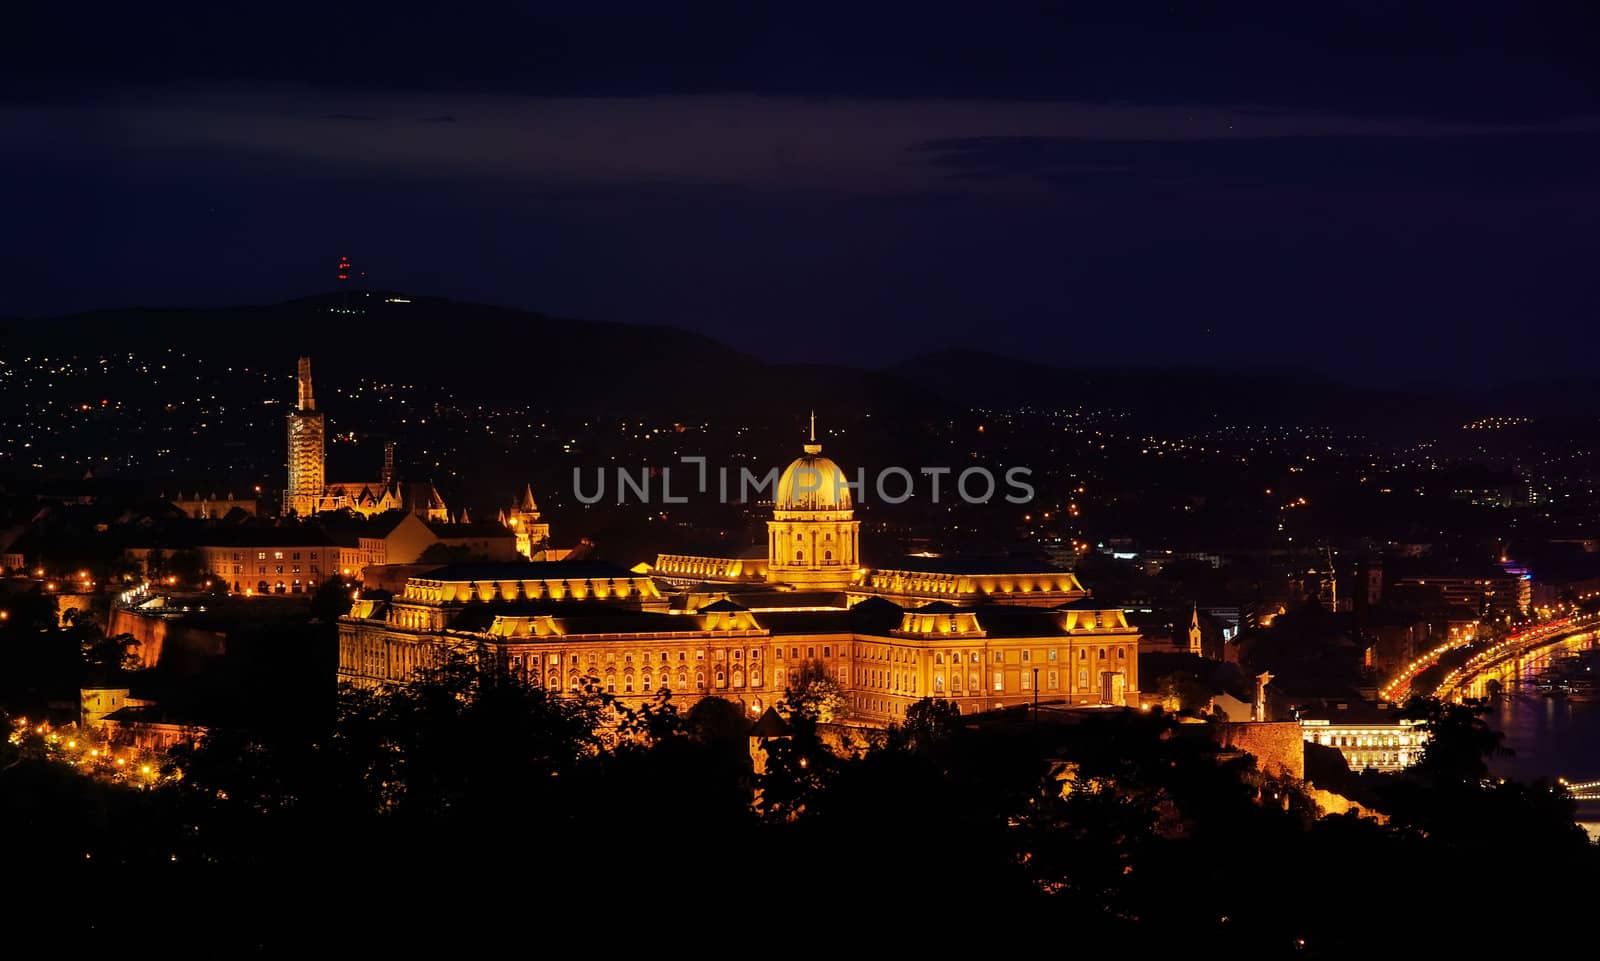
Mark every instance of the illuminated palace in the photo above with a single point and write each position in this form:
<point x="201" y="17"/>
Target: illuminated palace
<point x="981" y="634"/>
<point x="308" y="491"/>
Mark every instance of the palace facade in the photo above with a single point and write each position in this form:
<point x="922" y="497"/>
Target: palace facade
<point x="983" y="635"/>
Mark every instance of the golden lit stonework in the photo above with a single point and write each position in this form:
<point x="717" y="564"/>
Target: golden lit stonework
<point x="982" y="634"/>
<point x="813" y="539"/>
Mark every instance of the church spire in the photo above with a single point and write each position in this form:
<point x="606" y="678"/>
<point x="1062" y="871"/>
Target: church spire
<point x="307" y="402"/>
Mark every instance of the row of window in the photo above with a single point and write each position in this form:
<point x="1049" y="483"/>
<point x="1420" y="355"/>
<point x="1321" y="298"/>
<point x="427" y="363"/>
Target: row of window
<point x="722" y="679"/>
<point x="880" y="705"/>
<point x="1027" y="656"/>
<point x="737" y="678"/>
<point x="1369" y="740"/>
<point x="1052" y="681"/>
<point x="279" y="587"/>
<point x="811" y="652"/>
<point x="276" y="555"/>
<point x="887" y="680"/>
<point x="720" y="654"/>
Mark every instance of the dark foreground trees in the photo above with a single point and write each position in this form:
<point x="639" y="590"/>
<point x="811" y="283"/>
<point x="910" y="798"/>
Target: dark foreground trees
<point x="468" y="809"/>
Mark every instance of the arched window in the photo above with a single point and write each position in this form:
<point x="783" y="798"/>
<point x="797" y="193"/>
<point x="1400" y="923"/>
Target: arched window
<point x="827" y="555"/>
<point x="1083" y="678"/>
<point x="938" y="684"/>
<point x="644" y="682"/>
<point x="683" y="680"/>
<point x="1102" y="653"/>
<point x="755" y="677"/>
<point x="1121" y="653"/>
<point x="799" y="556"/>
<point x="973" y="684"/>
<point x="700" y="680"/>
<point x="955" y="682"/>
<point x="738" y="677"/>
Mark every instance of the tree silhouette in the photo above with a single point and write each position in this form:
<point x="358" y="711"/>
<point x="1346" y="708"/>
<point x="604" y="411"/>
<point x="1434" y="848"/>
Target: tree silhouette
<point x="816" y="694"/>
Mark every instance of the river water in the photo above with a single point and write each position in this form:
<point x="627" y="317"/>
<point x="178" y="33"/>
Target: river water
<point x="1550" y="737"/>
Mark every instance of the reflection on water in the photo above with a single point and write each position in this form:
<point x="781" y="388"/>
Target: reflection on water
<point x="1551" y="737"/>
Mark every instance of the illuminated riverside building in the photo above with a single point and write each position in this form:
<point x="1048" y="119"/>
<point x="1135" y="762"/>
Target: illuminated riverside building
<point x="982" y="635"/>
<point x="1367" y="735"/>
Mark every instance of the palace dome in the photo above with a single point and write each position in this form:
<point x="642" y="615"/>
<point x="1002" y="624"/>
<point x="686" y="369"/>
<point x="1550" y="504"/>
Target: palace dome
<point x="812" y="483"/>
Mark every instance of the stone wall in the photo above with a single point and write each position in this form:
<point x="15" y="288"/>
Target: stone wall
<point x="1278" y="746"/>
<point x="1332" y="804"/>
<point x="150" y="632"/>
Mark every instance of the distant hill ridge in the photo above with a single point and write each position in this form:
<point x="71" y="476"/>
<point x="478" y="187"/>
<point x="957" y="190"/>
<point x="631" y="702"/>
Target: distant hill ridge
<point x="498" y="352"/>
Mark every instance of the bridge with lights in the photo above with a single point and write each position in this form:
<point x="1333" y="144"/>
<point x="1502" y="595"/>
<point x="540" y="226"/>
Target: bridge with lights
<point x="1519" y="658"/>
<point x="1398" y="689"/>
<point x="1582" y="790"/>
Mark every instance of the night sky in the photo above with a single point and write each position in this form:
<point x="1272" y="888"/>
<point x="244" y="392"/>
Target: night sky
<point x="1384" y="194"/>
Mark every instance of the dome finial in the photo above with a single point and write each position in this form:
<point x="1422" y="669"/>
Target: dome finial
<point x="812" y="447"/>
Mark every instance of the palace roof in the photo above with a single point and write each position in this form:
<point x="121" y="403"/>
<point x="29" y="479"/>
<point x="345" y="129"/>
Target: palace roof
<point x="263" y="537"/>
<point x="970" y="565"/>
<point x="575" y="617"/>
<point x="529" y="571"/>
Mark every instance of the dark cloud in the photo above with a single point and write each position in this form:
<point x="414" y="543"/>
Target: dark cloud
<point x="1387" y="191"/>
<point x="1499" y="60"/>
<point x="1544" y="159"/>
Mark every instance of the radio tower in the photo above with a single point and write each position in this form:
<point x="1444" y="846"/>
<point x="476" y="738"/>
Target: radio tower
<point x="344" y="283"/>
